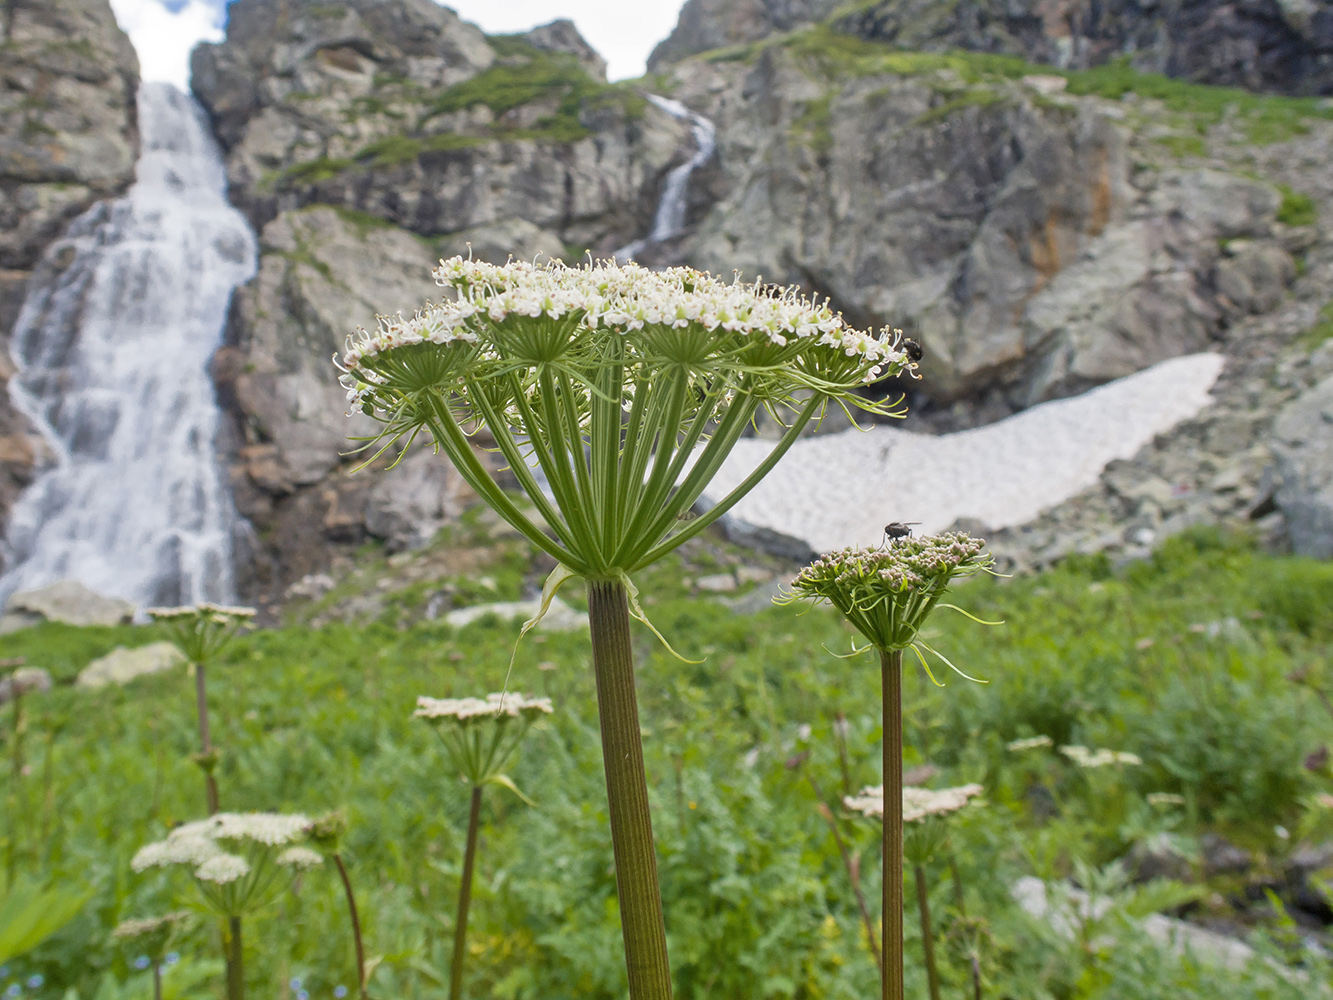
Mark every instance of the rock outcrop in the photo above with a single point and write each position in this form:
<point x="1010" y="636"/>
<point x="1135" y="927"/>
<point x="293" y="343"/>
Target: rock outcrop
<point x="1284" y="46"/>
<point x="1303" y="442"/>
<point x="1036" y="242"/>
<point x="365" y="140"/>
<point x="68" y="138"/>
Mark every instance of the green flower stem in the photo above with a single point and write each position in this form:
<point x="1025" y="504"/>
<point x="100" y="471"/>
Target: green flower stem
<point x="205" y="740"/>
<point x="356" y="924"/>
<point x="627" y="794"/>
<point x="927" y="931"/>
<point x="157" y="981"/>
<point x="465" y="897"/>
<point x="891" y="670"/>
<point x="235" y="960"/>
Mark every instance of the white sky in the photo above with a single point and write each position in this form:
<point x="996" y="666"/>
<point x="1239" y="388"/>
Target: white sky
<point x="623" y="31"/>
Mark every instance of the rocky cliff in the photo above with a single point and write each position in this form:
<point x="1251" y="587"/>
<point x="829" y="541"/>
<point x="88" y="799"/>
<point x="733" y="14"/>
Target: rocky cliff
<point x="365" y="140"/>
<point x="1039" y="231"/>
<point x="68" y="139"/>
<point x="1285" y="46"/>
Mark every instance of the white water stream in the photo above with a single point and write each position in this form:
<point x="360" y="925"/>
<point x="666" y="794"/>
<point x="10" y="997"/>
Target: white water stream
<point x="670" y="218"/>
<point x="112" y="353"/>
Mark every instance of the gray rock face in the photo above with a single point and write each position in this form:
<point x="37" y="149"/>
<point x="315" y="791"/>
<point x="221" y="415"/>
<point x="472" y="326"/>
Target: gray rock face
<point x="1303" y="446"/>
<point x="67" y="138"/>
<point x="999" y="223"/>
<point x="401" y="109"/>
<point x="1275" y="45"/>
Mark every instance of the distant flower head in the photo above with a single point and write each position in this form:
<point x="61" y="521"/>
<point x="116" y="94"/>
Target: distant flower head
<point x="918" y="803"/>
<point x="200" y="631"/>
<point x="888" y="592"/>
<point x="1031" y="743"/>
<point x="1165" y="799"/>
<point x="1084" y="757"/>
<point x="494" y="706"/>
<point x="477" y="732"/>
<point x="224" y="850"/>
<point x="152" y="934"/>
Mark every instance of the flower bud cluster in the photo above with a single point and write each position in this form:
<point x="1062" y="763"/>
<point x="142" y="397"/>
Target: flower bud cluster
<point x="904" y="565"/>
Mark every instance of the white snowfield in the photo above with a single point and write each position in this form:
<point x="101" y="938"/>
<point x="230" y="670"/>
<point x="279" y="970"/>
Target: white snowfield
<point x="840" y="489"/>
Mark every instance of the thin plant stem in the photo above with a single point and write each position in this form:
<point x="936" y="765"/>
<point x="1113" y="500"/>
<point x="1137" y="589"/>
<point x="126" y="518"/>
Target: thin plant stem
<point x="840" y="737"/>
<point x="235" y="960"/>
<point x="356" y="924"/>
<point x="157" y="981"/>
<point x="464" y="897"/>
<point x="891" y="678"/>
<point x="640" y="897"/>
<point x="827" y="813"/>
<point x="205" y="740"/>
<point x="927" y="931"/>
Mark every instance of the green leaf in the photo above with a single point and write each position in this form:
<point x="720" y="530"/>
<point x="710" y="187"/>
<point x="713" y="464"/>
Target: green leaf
<point x="508" y="782"/>
<point x="29" y="915"/>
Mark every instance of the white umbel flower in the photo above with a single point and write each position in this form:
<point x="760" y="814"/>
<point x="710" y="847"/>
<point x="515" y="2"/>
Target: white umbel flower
<point x="494" y="705"/>
<point x="300" y="858"/>
<point x="1031" y="743"/>
<point x="222" y="869"/>
<point x="918" y="803"/>
<point x="1084" y="757"/>
<point x="189" y="849"/>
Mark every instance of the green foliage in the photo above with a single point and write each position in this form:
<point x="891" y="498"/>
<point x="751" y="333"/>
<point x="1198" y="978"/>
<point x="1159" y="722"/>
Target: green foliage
<point x="756" y="897"/>
<point x="30" y="914"/>
<point x="977" y="97"/>
<point x="315" y="171"/>
<point x="1297" y="209"/>
<point x="1265" y="119"/>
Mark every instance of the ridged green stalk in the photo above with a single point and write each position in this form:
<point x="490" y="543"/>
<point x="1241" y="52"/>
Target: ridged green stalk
<point x="891" y="671"/>
<point x="641" y="919"/>
<point x="235" y="960"/>
<point x="465" y="897"/>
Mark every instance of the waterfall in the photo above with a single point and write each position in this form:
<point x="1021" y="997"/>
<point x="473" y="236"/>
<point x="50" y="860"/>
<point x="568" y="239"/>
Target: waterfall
<point x="670" y="218"/>
<point x="112" y="349"/>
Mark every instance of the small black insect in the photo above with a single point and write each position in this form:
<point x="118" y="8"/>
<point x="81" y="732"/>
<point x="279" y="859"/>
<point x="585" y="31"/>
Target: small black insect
<point x="912" y="349"/>
<point x="899" y="529"/>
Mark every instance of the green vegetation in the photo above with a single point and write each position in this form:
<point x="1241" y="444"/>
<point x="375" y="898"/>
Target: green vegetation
<point x="1297" y="209"/>
<point x="1183" y="660"/>
<point x="977" y="97"/>
<point x="1321" y="331"/>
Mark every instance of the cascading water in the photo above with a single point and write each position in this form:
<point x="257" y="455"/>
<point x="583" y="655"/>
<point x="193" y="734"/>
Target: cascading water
<point x="112" y="350"/>
<point x="670" y="218"/>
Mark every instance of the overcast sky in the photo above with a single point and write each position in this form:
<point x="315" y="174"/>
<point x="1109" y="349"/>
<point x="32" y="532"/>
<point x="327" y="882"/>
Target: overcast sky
<point x="623" y="31"/>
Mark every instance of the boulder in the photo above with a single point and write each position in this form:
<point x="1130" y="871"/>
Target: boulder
<point x="562" y="36"/>
<point x="560" y="617"/>
<point x="122" y="665"/>
<point x="1303" y="448"/>
<point x="410" y="502"/>
<point x="66" y="601"/>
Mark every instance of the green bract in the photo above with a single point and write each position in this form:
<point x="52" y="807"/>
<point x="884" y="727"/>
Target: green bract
<point x="627" y="388"/>
<point x="887" y="593"/>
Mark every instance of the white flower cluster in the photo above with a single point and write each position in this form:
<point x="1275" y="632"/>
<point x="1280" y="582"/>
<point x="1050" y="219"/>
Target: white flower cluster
<point x="128" y="930"/>
<point x="1031" y="743"/>
<point x="620" y="297"/>
<point x="1084" y="757"/>
<point x="918" y="803"/>
<point x="494" y="705"/>
<point x="196" y="844"/>
<point x="204" y="610"/>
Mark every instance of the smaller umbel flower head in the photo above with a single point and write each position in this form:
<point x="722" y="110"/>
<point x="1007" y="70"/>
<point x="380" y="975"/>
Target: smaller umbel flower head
<point x="1086" y="758"/>
<point x="153" y="935"/>
<point x="919" y="804"/>
<point x="200" y="631"/>
<point x="481" y="734"/>
<point x="239" y="860"/>
<point x="887" y="593"/>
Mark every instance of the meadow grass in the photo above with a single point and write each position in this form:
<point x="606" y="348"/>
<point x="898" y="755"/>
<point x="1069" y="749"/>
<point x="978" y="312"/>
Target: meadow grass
<point x="1183" y="659"/>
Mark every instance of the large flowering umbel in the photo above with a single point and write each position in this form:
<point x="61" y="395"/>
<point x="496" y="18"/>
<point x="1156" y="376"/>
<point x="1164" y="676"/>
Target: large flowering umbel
<point x="609" y="378"/>
<point x="887" y="593"/>
<point x="200" y="631"/>
<point x="239" y="861"/>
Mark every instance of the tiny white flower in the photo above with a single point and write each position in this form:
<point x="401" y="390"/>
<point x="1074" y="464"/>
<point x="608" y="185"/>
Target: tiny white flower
<point x="222" y="868"/>
<point x="300" y="858"/>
